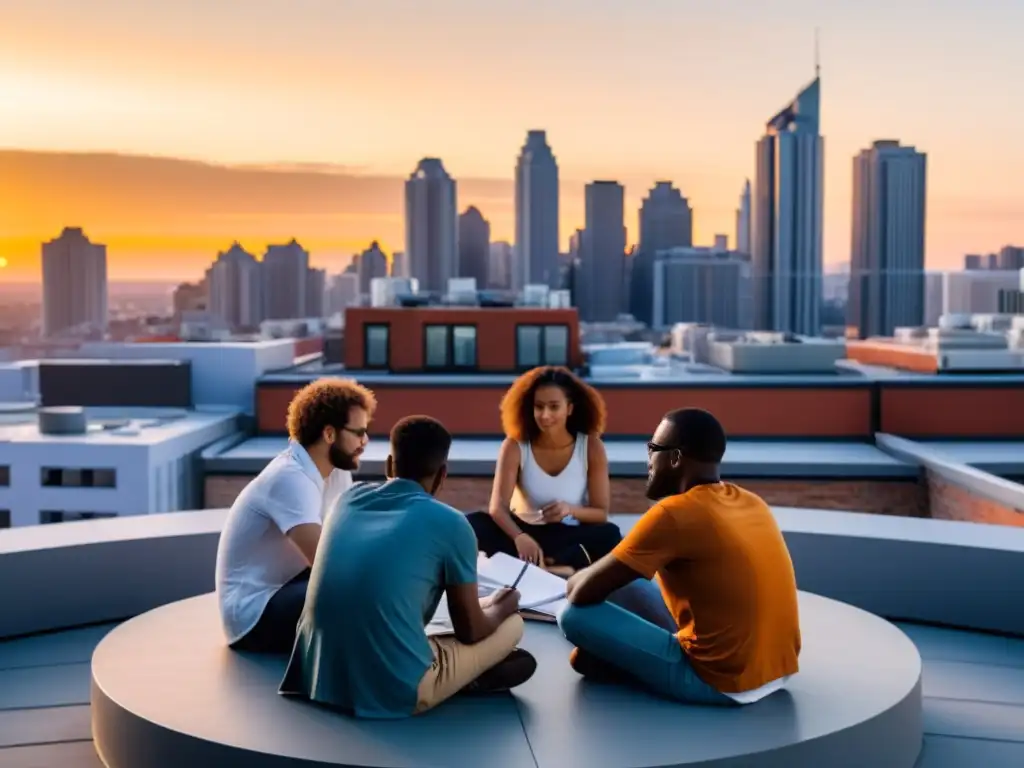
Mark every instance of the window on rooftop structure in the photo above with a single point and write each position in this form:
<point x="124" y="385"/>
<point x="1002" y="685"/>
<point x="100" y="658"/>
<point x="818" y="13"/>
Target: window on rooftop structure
<point x="104" y="478"/>
<point x="464" y="346"/>
<point x="50" y="516"/>
<point x="5" y="476"/>
<point x="449" y="347"/>
<point x="50" y="477"/>
<point x="63" y="477"/>
<point x="528" y="346"/>
<point x="5" y="518"/>
<point x="556" y="345"/>
<point x="376" y="345"/>
<point x="436" y="346"/>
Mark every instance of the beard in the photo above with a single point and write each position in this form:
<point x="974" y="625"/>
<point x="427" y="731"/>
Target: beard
<point x="660" y="485"/>
<point x="341" y="460"/>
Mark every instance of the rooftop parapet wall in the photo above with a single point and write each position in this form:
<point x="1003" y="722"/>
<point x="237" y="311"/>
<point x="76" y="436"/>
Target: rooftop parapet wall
<point x="750" y="407"/>
<point x="957" y="491"/>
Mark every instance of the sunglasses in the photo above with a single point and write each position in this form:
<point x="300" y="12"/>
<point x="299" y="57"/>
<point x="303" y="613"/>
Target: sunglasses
<point x="360" y="432"/>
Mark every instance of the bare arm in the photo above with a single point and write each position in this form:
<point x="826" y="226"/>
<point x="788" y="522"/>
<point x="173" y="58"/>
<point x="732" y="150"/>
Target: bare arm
<point x="594" y="584"/>
<point x="306" y="537"/>
<point x="598" y="485"/>
<point x="654" y="541"/>
<point x="475" y="619"/>
<point x="506" y="474"/>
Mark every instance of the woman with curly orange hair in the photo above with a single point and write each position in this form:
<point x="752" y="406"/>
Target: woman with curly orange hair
<point x="549" y="502"/>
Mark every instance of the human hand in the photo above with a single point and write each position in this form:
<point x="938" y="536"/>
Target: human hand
<point x="555" y="512"/>
<point x="495" y="596"/>
<point x="528" y="549"/>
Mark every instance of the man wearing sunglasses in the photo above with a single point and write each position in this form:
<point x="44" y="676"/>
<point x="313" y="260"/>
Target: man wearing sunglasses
<point x="721" y="624"/>
<point x="271" y="534"/>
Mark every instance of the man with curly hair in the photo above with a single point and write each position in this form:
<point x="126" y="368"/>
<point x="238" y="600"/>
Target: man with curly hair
<point x="271" y="534"/>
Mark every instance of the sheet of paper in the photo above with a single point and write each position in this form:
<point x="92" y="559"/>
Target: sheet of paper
<point x="538" y="589"/>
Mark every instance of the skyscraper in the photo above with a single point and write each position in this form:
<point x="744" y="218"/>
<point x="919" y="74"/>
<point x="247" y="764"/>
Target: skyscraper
<point x="371" y="263"/>
<point x="887" y="284"/>
<point x="743" y="221"/>
<point x="235" y="286"/>
<point x="431" y="226"/>
<point x="786" y="233"/>
<point x="74" y="283"/>
<point x="603" y="253"/>
<point x="474" y="246"/>
<point x="537" y="211"/>
<point x="666" y="221"/>
<point x="285" y="281"/>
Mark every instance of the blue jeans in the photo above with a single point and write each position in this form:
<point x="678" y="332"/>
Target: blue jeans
<point x="634" y="631"/>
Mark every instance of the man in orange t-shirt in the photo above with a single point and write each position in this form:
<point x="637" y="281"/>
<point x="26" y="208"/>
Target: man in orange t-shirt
<point x="724" y="627"/>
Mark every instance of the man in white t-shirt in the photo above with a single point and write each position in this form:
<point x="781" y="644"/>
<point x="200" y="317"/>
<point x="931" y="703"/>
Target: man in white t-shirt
<point x="271" y="534"/>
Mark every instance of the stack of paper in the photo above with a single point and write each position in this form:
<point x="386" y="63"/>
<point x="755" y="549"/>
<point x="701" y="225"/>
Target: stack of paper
<point x="539" y="591"/>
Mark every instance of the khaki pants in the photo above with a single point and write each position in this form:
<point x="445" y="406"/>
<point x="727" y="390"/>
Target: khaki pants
<point x="456" y="664"/>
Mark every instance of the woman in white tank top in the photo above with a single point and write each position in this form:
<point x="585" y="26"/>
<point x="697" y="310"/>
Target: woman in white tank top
<point x="549" y="502"/>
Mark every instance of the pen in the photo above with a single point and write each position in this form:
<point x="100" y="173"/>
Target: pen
<point x="520" y="576"/>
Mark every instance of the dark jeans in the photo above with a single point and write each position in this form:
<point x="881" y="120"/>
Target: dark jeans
<point x="574" y="545"/>
<point x="275" y="631"/>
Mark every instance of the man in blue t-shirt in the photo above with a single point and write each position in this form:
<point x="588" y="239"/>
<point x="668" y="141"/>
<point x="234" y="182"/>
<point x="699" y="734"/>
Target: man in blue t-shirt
<point x="385" y="557"/>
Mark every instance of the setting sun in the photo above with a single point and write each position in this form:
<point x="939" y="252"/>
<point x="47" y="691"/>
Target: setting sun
<point x="3" y="262"/>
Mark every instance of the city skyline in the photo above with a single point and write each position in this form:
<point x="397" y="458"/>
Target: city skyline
<point x="739" y="67"/>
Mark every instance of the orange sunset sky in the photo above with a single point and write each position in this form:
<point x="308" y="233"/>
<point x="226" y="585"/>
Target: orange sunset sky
<point x="168" y="130"/>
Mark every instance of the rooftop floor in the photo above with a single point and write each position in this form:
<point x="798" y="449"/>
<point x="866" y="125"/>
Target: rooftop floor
<point x="973" y="688"/>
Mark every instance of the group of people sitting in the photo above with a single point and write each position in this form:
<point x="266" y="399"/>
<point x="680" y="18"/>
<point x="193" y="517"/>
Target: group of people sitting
<point x="697" y="603"/>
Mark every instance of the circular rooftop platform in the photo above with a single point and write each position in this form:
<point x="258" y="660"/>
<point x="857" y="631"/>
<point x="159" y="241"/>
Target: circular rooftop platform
<point x="167" y="693"/>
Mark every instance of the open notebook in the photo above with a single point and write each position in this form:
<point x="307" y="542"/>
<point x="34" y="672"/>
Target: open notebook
<point x="541" y="594"/>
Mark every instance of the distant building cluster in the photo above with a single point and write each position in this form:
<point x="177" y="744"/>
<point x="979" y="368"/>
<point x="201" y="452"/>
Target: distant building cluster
<point x="769" y="278"/>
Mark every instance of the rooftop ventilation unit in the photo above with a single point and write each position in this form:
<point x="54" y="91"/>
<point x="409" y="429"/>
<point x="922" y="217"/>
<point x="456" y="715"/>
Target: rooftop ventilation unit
<point x="412" y="300"/>
<point x="64" y="420"/>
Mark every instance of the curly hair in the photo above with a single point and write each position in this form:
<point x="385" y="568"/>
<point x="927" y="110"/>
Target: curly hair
<point x="517" y="420"/>
<point x="325" y="403"/>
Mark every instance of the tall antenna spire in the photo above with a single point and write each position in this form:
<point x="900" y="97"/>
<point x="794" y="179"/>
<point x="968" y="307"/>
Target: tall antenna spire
<point x="817" y="52"/>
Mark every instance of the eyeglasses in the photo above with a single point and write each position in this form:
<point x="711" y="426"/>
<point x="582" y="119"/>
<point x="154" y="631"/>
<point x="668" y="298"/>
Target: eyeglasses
<point x="653" y="447"/>
<point x="361" y="432"/>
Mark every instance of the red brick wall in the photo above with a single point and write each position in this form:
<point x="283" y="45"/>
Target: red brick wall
<point x="905" y="498"/>
<point x="782" y="412"/>
<point x="949" y="501"/>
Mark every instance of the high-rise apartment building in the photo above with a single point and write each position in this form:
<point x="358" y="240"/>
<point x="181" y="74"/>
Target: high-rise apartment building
<point x="431" y="226"/>
<point x="537" y="238"/>
<point x="74" y="284"/>
<point x="474" y="246"/>
<point x="887" y="282"/>
<point x="786" y="232"/>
